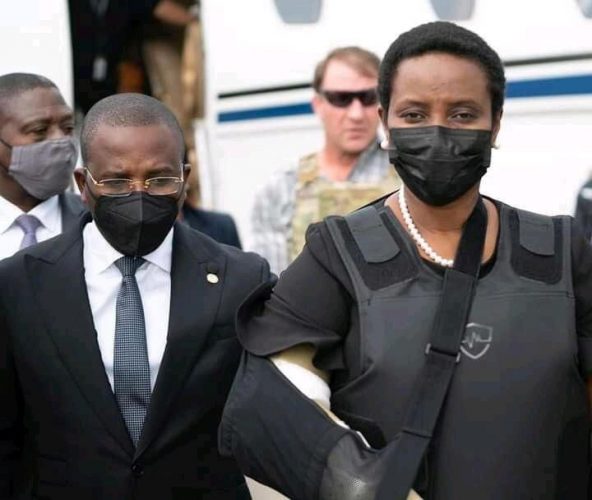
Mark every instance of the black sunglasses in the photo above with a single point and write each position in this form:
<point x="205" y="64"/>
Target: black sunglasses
<point x="342" y="99"/>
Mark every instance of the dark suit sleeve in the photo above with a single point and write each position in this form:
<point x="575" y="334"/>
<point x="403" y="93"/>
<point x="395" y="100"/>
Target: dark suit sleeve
<point x="10" y="413"/>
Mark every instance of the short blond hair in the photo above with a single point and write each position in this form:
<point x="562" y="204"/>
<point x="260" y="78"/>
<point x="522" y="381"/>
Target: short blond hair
<point x="363" y="61"/>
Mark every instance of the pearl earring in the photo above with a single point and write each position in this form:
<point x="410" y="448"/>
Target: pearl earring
<point x="384" y="144"/>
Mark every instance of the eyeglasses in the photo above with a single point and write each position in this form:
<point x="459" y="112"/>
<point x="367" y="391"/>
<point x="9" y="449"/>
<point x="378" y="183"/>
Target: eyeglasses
<point x="157" y="186"/>
<point x="342" y="98"/>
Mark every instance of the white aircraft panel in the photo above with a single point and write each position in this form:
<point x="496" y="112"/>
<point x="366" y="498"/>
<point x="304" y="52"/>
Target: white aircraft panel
<point x="35" y="38"/>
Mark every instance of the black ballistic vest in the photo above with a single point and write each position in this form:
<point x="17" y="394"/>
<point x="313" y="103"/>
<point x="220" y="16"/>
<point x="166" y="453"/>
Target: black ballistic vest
<point x="515" y="424"/>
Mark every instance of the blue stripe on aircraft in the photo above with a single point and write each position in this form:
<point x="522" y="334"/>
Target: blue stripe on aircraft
<point x="565" y="85"/>
<point x="269" y="112"/>
<point x="544" y="87"/>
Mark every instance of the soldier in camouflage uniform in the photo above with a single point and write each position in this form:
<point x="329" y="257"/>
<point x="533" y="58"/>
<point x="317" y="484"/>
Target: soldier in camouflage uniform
<point x="317" y="197"/>
<point x="349" y="171"/>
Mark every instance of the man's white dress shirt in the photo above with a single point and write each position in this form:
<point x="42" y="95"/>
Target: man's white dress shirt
<point x="49" y="214"/>
<point x="103" y="281"/>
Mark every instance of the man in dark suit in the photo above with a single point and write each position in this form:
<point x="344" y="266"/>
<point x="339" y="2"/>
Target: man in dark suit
<point x="216" y="225"/>
<point x="37" y="158"/>
<point x="117" y="338"/>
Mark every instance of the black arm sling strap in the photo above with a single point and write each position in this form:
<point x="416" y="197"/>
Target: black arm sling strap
<point x="442" y="356"/>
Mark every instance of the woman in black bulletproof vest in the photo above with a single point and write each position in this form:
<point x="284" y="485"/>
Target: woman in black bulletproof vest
<point x="436" y="343"/>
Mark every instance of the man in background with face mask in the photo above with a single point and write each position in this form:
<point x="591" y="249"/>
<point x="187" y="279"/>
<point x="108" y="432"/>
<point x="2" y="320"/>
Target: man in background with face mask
<point x="117" y="341"/>
<point x="37" y="157"/>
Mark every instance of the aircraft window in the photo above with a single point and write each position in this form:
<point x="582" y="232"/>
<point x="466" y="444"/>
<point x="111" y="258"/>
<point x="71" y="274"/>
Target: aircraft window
<point x="455" y="10"/>
<point x="299" y="11"/>
<point x="586" y="7"/>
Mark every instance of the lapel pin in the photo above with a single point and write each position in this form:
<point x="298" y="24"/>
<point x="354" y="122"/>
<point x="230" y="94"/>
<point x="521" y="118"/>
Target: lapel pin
<point x="212" y="270"/>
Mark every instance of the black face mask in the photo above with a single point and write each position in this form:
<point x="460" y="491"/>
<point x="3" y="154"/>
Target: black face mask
<point x="440" y="164"/>
<point x="136" y="224"/>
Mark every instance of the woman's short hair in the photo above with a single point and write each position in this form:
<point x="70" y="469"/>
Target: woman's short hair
<point x="363" y="61"/>
<point x="448" y="38"/>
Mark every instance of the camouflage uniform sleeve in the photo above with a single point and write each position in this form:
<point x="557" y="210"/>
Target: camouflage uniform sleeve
<point x="270" y="219"/>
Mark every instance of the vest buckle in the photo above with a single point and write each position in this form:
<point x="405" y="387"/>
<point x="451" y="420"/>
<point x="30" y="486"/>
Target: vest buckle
<point x="429" y="349"/>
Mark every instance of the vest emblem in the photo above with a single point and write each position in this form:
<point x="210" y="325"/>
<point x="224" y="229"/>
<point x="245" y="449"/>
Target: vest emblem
<point x="477" y="340"/>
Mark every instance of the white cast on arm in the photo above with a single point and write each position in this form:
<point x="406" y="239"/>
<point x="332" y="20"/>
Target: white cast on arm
<point x="309" y="384"/>
<point x="296" y="365"/>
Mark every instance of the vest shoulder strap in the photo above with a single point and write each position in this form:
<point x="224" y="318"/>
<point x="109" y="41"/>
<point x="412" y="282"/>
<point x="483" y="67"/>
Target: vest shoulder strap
<point x="537" y="233"/>
<point x="372" y="237"/>
<point x="539" y="246"/>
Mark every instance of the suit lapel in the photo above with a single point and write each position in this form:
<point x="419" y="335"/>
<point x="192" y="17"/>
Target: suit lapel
<point x="60" y="289"/>
<point x="194" y="303"/>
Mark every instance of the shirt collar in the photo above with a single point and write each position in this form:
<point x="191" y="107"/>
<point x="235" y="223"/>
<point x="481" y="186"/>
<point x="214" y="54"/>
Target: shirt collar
<point x="48" y="212"/>
<point x="102" y="255"/>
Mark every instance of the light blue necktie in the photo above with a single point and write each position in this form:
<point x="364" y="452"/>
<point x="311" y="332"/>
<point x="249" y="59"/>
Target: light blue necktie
<point x="29" y="224"/>
<point x="131" y="370"/>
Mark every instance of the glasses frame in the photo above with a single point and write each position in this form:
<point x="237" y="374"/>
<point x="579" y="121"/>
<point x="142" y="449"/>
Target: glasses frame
<point x="145" y="183"/>
<point x="332" y="97"/>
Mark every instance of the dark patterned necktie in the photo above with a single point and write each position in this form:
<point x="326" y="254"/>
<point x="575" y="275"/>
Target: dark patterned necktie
<point x="131" y="370"/>
<point x="29" y="224"/>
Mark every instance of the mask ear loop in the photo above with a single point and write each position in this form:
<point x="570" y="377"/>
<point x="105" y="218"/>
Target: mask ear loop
<point x="9" y="146"/>
<point x="183" y="190"/>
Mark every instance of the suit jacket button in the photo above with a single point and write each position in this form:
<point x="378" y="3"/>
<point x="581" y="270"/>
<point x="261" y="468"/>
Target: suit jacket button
<point x="137" y="470"/>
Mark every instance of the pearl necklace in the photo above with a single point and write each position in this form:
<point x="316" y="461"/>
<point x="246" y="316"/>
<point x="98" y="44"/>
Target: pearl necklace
<point x="417" y="237"/>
